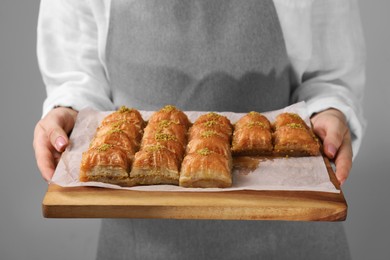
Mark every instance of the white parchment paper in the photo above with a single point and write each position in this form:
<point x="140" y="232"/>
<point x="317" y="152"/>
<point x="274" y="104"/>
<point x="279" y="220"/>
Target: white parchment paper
<point x="293" y="174"/>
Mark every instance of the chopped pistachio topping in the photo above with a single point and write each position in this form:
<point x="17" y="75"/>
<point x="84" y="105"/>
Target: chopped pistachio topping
<point x="104" y="147"/>
<point x="255" y="123"/>
<point x="166" y="123"/>
<point x="164" y="137"/>
<point x="208" y="133"/>
<point x="294" y="125"/>
<point x="213" y="115"/>
<point x="211" y="123"/>
<point x="168" y="108"/>
<point x="118" y="123"/>
<point x="253" y="113"/>
<point x="115" y="130"/>
<point x="124" y="109"/>
<point x="154" y="148"/>
<point x="204" y="151"/>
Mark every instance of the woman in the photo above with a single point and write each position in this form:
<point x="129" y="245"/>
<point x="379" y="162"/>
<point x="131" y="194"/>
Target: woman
<point x="220" y="55"/>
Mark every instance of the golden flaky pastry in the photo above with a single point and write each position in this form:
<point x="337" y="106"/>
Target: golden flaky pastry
<point x="292" y="137"/>
<point x="208" y="160"/>
<point x="206" y="169"/>
<point x="106" y="163"/>
<point x="111" y="151"/>
<point x="162" y="148"/>
<point x="155" y="164"/>
<point x="252" y="135"/>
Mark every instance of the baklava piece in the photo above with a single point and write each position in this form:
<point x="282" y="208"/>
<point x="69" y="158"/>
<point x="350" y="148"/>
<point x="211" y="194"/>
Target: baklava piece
<point x="155" y="164"/>
<point x="292" y="137"/>
<point x="212" y="122"/>
<point x="252" y="135"/>
<point x="284" y="119"/>
<point x="167" y="130"/>
<point x="111" y="151"/>
<point x="129" y="115"/>
<point x="206" y="169"/>
<point x="208" y="160"/>
<point x="170" y="113"/>
<point x="105" y="163"/>
<point x="162" y="148"/>
<point x="212" y="143"/>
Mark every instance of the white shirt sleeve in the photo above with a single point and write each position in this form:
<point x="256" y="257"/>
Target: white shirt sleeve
<point x="325" y="44"/>
<point x="68" y="55"/>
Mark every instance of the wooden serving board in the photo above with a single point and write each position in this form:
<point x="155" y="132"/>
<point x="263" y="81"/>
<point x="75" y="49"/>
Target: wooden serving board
<point x="92" y="202"/>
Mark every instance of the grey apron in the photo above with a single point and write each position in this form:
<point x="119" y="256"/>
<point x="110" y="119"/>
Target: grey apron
<point x="219" y="55"/>
<point x="207" y="55"/>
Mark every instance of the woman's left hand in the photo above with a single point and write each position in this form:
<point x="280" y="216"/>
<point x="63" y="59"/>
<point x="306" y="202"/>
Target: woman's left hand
<point x="331" y="126"/>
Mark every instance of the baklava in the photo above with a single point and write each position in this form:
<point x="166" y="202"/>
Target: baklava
<point x="252" y="135"/>
<point x="111" y="151"/>
<point x="155" y="164"/>
<point x="162" y="148"/>
<point x="206" y="169"/>
<point x="293" y="137"/>
<point x="208" y="160"/>
<point x="170" y="113"/>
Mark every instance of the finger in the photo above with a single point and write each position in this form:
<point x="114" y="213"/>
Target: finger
<point x="46" y="163"/>
<point x="332" y="135"/>
<point x="333" y="142"/>
<point x="56" y="135"/>
<point x="343" y="160"/>
<point x="58" y="126"/>
<point x="51" y="139"/>
<point x="43" y="154"/>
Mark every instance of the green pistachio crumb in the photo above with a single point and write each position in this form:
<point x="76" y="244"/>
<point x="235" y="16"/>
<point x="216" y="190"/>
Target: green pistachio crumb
<point x="168" y="108"/>
<point x="204" y="151"/>
<point x="104" y="147"/>
<point x="124" y="109"/>
<point x="164" y="137"/>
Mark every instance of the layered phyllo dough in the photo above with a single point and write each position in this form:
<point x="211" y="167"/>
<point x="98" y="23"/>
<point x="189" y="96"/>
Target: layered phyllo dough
<point x="105" y="163"/>
<point x="162" y="148"/>
<point x="252" y="135"/>
<point x="293" y="137"/>
<point x="208" y="159"/>
<point x="155" y="164"/>
<point x="206" y="169"/>
<point x="111" y="152"/>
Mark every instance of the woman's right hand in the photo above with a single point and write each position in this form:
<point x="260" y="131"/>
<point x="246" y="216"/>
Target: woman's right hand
<point x="51" y="138"/>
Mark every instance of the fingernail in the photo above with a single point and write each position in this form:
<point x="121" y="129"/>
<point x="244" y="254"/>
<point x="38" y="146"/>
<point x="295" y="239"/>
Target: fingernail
<point x="332" y="150"/>
<point x="60" y="143"/>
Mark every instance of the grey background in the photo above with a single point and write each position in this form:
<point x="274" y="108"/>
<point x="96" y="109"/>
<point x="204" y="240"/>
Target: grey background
<point x="25" y="234"/>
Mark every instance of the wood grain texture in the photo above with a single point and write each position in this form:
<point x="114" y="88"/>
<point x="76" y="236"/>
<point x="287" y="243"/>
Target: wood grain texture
<point x="92" y="202"/>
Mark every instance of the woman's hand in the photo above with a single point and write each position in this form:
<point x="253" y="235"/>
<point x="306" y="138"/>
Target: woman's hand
<point x="51" y="138"/>
<point x="331" y="126"/>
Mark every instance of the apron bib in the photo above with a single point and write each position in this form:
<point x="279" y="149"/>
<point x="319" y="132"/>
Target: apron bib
<point x="206" y="55"/>
<point x="220" y="55"/>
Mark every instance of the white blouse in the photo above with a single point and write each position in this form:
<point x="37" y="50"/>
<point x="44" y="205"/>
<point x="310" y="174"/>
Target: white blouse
<point x="323" y="38"/>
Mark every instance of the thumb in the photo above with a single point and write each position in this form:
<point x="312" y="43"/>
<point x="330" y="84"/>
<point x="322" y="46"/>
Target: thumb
<point x="332" y="141"/>
<point x="58" y="138"/>
<point x="58" y="124"/>
<point x="332" y="133"/>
